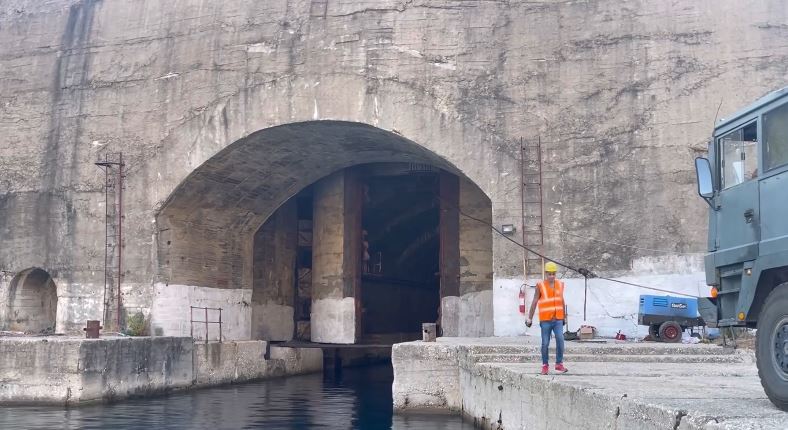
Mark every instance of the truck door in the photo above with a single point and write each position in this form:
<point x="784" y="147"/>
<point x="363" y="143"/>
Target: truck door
<point x="774" y="182"/>
<point x="738" y="217"/>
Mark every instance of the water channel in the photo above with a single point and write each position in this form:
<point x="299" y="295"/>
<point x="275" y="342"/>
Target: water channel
<point x="357" y="399"/>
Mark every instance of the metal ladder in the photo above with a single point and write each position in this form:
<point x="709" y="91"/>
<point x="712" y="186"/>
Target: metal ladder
<point x="112" y="165"/>
<point x="532" y="208"/>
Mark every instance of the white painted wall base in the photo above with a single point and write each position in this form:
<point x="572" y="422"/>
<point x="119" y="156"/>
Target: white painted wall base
<point x="334" y="320"/>
<point x="170" y="311"/>
<point x="76" y="304"/>
<point x="476" y="314"/>
<point x="610" y="306"/>
<point x="450" y="316"/>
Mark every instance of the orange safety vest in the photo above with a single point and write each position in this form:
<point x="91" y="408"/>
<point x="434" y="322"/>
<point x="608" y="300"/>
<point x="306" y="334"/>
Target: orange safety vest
<point x="551" y="301"/>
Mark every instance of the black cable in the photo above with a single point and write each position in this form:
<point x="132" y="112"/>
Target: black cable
<point x="581" y="270"/>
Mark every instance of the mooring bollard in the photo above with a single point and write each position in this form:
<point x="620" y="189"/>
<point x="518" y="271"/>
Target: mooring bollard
<point x="92" y="329"/>
<point x="429" y="332"/>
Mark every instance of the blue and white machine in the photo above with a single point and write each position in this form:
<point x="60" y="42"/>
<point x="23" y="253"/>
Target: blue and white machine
<point x="668" y="316"/>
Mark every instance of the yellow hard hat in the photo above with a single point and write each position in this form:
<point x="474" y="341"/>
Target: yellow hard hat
<point x="550" y="267"/>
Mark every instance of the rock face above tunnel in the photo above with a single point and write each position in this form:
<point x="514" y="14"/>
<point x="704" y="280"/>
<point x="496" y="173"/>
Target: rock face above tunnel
<point x="622" y="96"/>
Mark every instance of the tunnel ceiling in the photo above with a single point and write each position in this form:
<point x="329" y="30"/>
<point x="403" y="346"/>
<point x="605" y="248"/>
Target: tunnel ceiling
<point x="249" y="179"/>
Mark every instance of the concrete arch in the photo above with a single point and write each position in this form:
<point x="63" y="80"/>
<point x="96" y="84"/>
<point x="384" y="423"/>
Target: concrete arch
<point x="416" y="114"/>
<point x="31" y="302"/>
<point x="239" y="188"/>
<point x="207" y="226"/>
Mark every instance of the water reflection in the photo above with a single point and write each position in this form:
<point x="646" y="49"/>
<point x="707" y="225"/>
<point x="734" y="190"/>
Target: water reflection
<point x="359" y="399"/>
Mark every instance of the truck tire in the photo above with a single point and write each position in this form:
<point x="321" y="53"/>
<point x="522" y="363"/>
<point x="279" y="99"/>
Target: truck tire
<point x="771" y="346"/>
<point x="653" y="331"/>
<point x="670" y="331"/>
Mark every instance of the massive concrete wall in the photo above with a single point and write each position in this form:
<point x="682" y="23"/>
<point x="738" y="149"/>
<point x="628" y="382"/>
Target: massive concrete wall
<point x="274" y="275"/>
<point x="622" y="94"/>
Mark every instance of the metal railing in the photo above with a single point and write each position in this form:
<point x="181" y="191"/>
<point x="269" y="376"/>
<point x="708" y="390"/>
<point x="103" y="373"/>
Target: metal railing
<point x="205" y="321"/>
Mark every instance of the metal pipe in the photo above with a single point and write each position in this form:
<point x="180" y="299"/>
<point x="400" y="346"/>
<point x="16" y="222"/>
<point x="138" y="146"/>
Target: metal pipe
<point x="206" y="325"/>
<point x="541" y="200"/>
<point x="522" y="208"/>
<point x="106" y="245"/>
<point x="120" y="230"/>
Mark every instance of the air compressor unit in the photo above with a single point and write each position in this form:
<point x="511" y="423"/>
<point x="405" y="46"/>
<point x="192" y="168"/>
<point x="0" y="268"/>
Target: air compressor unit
<point x="668" y="316"/>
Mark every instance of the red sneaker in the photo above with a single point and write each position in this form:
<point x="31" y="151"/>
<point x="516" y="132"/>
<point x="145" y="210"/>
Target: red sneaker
<point x="545" y="369"/>
<point x="560" y="368"/>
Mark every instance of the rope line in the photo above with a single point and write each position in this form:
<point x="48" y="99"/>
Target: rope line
<point x="581" y="270"/>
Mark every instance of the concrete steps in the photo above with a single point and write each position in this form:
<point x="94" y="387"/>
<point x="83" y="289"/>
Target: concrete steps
<point x="621" y="358"/>
<point x="659" y="349"/>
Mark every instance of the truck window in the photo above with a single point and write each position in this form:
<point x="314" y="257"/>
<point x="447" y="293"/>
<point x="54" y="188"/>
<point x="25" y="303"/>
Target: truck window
<point x="739" y="155"/>
<point x="775" y="138"/>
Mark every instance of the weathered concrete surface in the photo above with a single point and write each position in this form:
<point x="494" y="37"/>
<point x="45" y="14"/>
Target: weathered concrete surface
<point x="495" y="383"/>
<point x="475" y="310"/>
<point x="72" y="371"/>
<point x="225" y="109"/>
<point x="55" y="370"/>
<point x="274" y="259"/>
<point x="335" y="260"/>
<point x="242" y="361"/>
<point x="171" y="314"/>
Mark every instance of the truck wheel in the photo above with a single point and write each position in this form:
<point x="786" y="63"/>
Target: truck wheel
<point x="670" y="331"/>
<point x="771" y="350"/>
<point x="653" y="331"/>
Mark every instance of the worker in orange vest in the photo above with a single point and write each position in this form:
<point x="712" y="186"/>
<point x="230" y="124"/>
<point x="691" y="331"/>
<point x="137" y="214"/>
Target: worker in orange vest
<point x="550" y="297"/>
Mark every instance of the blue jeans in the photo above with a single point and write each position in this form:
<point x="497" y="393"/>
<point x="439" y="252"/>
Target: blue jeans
<point x="549" y="327"/>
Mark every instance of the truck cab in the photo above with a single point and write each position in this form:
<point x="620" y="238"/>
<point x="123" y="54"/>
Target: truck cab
<point x="745" y="183"/>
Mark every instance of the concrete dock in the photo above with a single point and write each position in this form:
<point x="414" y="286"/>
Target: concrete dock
<point x="495" y="382"/>
<point x="63" y="370"/>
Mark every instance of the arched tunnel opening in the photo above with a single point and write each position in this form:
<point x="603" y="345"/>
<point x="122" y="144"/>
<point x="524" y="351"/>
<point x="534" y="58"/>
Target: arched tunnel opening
<point x="327" y="232"/>
<point x="31" y="303"/>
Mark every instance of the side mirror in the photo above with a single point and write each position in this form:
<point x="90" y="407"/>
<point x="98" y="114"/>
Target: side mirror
<point x="705" y="182"/>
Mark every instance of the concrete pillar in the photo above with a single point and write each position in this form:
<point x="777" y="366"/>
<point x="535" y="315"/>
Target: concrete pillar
<point x="336" y="259"/>
<point x="476" y="265"/>
<point x="273" y="279"/>
<point x="449" y="254"/>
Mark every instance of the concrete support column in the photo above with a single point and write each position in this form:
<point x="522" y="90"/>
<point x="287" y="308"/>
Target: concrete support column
<point x="476" y="265"/>
<point x="449" y="254"/>
<point x="273" y="279"/>
<point x="336" y="259"/>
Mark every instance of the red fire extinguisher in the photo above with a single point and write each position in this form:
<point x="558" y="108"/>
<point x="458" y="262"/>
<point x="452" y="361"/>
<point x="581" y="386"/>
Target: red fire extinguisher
<point x="521" y="298"/>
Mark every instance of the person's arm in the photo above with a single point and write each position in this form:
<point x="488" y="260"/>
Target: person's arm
<point x="533" y="308"/>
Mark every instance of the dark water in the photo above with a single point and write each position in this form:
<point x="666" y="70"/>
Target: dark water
<point x="359" y="399"/>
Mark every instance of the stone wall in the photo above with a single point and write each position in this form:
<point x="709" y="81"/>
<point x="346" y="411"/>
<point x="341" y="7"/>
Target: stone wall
<point x="623" y="97"/>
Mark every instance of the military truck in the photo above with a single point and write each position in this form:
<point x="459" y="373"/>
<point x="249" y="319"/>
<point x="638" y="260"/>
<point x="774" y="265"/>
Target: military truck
<point x="745" y="183"/>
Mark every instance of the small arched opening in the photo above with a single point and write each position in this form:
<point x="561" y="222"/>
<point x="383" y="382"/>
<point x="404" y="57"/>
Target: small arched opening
<point x="32" y="302"/>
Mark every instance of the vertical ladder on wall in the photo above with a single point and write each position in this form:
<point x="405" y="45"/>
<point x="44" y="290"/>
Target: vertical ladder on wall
<point x="112" y="165"/>
<point x="531" y="197"/>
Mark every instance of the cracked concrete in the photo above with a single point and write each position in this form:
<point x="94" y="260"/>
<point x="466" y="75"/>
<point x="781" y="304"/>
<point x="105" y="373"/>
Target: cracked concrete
<point x="621" y="95"/>
<point x="496" y="384"/>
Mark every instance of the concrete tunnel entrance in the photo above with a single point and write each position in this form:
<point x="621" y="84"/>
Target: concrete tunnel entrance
<point x="327" y="232"/>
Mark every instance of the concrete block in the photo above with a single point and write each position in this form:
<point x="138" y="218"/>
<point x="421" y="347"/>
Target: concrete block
<point x="73" y="371"/>
<point x="299" y="360"/>
<point x="333" y="320"/>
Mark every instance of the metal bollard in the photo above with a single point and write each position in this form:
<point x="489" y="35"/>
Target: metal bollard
<point x="92" y="329"/>
<point x="429" y="332"/>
